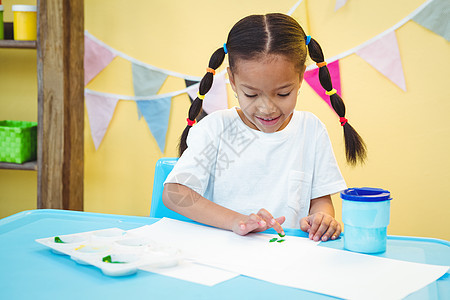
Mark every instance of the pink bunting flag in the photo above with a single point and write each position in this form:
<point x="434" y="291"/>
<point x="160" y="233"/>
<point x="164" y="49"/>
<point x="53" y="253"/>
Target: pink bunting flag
<point x="384" y="55"/>
<point x="96" y="58"/>
<point x="100" y="110"/>
<point x="312" y="78"/>
<point x="216" y="98"/>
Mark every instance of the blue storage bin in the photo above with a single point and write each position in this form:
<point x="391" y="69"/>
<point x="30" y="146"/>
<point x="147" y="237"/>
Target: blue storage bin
<point x="365" y="214"/>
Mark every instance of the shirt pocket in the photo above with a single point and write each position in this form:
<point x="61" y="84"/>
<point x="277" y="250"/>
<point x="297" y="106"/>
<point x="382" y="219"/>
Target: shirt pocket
<point x="299" y="193"/>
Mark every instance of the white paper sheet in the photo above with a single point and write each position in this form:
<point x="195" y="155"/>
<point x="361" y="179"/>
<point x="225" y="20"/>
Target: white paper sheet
<point x="186" y="270"/>
<point x="194" y="272"/>
<point x="297" y="262"/>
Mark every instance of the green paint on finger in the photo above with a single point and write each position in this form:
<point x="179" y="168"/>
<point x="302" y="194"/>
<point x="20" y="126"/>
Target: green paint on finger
<point x="281" y="235"/>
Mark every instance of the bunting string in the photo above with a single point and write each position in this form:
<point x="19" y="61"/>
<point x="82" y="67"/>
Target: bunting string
<point x="293" y="8"/>
<point x="377" y="37"/>
<point x="138" y="62"/>
<point x="149" y="97"/>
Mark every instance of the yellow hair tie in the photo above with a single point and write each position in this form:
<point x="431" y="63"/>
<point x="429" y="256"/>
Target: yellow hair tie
<point x="332" y="92"/>
<point x="321" y="64"/>
<point x="201" y="97"/>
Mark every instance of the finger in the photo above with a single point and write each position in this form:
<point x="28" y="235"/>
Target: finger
<point x="330" y="231"/>
<point x="315" y="220"/>
<point x="304" y="224"/>
<point x="242" y="228"/>
<point x="322" y="228"/>
<point x="254" y="218"/>
<point x="337" y="233"/>
<point x="271" y="221"/>
<point x="267" y="217"/>
<point x="281" y="220"/>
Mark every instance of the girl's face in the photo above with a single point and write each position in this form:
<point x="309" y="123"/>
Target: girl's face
<point x="267" y="91"/>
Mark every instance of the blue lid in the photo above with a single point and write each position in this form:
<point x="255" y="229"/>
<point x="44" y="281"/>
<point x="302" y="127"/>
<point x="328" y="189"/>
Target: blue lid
<point x="366" y="194"/>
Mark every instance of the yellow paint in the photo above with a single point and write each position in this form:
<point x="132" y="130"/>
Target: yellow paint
<point x="80" y="247"/>
<point x="407" y="133"/>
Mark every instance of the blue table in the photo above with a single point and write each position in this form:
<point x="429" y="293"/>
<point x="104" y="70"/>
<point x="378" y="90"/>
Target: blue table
<point x="29" y="270"/>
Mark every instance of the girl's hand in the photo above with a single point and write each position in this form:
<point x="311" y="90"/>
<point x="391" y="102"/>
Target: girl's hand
<point x="320" y="226"/>
<point x="257" y="222"/>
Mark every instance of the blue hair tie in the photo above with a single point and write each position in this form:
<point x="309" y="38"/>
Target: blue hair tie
<point x="308" y="39"/>
<point x="225" y="48"/>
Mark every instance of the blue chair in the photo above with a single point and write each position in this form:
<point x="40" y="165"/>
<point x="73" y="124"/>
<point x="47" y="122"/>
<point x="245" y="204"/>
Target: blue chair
<point x="157" y="209"/>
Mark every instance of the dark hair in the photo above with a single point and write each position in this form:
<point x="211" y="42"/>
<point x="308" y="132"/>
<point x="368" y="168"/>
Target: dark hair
<point x="256" y="36"/>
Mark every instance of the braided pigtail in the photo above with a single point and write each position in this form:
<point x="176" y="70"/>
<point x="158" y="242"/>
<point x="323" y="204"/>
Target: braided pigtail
<point x="355" y="148"/>
<point x="205" y="85"/>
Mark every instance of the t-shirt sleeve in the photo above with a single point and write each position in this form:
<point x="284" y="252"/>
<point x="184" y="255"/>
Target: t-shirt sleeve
<point x="327" y="178"/>
<point x="196" y="166"/>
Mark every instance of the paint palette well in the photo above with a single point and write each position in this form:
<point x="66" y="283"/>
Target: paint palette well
<point x="113" y="251"/>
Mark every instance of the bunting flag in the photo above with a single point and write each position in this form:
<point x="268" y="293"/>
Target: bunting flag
<point x="435" y="17"/>
<point x="146" y="82"/>
<point x="216" y="98"/>
<point x="156" y="114"/>
<point x="339" y="4"/>
<point x="202" y="113"/>
<point x="100" y="110"/>
<point x="312" y="78"/>
<point x="96" y="58"/>
<point x="383" y="54"/>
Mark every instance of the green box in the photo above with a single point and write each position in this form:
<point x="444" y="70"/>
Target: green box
<point x="18" y="140"/>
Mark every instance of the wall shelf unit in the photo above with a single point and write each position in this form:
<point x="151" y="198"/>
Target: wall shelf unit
<point x="60" y="73"/>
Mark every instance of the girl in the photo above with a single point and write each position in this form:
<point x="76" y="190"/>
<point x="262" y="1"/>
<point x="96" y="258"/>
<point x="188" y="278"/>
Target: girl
<point x="241" y="166"/>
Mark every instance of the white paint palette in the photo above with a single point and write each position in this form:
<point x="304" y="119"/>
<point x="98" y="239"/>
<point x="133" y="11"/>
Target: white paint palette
<point x="114" y="251"/>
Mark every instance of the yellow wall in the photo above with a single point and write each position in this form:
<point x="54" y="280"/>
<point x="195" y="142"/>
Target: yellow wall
<point x="406" y="133"/>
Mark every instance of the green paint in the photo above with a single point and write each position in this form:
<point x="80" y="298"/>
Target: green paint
<point x="273" y="240"/>
<point x="282" y="235"/>
<point x="280" y="241"/>
<point x="58" y="240"/>
<point x="107" y="259"/>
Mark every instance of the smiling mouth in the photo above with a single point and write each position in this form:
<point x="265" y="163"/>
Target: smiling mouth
<point x="268" y="121"/>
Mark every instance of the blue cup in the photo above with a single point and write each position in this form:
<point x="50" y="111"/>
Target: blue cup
<point x="365" y="214"/>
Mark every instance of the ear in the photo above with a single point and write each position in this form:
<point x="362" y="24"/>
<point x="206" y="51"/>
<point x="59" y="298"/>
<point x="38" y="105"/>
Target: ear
<point x="231" y="78"/>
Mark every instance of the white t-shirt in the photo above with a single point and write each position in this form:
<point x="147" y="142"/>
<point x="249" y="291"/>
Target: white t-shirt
<point x="245" y="170"/>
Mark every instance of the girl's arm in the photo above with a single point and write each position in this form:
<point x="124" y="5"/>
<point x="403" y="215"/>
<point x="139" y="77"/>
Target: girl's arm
<point x="189" y="203"/>
<point x="320" y="223"/>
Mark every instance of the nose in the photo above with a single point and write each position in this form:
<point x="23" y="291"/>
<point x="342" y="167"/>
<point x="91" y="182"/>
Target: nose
<point x="266" y="106"/>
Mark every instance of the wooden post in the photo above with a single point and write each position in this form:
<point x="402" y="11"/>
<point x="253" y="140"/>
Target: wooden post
<point x="61" y="104"/>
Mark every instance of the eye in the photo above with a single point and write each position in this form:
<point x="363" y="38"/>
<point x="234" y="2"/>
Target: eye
<point x="284" y="95"/>
<point x="250" y="96"/>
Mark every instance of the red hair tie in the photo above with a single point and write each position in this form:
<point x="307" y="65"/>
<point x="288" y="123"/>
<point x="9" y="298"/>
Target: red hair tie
<point x="343" y="121"/>
<point x="190" y="122"/>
